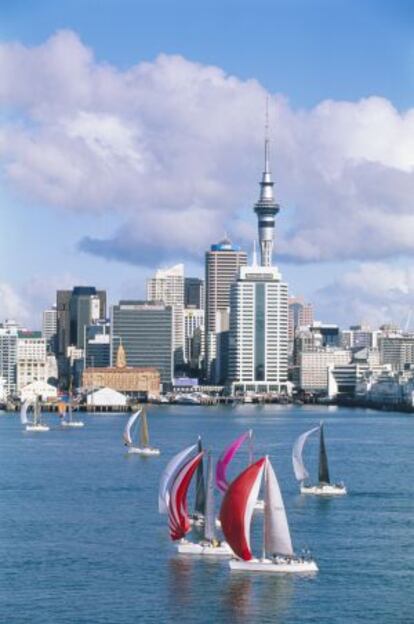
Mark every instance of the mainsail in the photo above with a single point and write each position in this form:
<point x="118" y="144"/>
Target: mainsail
<point x="225" y="459"/>
<point x="128" y="428"/>
<point x="323" y="459"/>
<point x="276" y="529"/>
<point x="23" y="412"/>
<point x="200" y="499"/>
<point x="237" y="509"/>
<point x="170" y="472"/>
<point x="210" y="519"/>
<point x="144" y="433"/>
<point x="178" y="520"/>
<point x="301" y="473"/>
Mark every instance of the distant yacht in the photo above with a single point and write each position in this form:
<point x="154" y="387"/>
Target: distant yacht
<point x="67" y="417"/>
<point x="144" y="447"/>
<point x="35" y="424"/>
<point x="324" y="487"/>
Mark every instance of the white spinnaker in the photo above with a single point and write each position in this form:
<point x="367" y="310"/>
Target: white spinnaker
<point x="300" y="471"/>
<point x="251" y="502"/>
<point x="276" y="529"/>
<point x="128" y="427"/>
<point x="169" y="474"/>
<point x="23" y="412"/>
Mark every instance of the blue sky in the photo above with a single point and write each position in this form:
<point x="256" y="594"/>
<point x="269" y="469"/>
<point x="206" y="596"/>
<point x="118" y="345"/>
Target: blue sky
<point x="343" y="168"/>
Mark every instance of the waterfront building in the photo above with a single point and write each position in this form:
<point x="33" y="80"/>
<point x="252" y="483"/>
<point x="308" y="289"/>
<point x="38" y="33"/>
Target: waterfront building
<point x="140" y="382"/>
<point x="397" y="350"/>
<point x="8" y="356"/>
<point x="194" y="341"/>
<point x="312" y="371"/>
<point x="97" y="351"/>
<point x="358" y="336"/>
<point x="300" y="315"/>
<point x="49" y="328"/>
<point x="31" y="358"/>
<point x="145" y="330"/>
<point x="194" y="293"/>
<point x="167" y="286"/>
<point x="258" y="349"/>
<point x="222" y="263"/>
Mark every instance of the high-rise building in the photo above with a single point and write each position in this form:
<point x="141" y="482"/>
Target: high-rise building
<point x="168" y="286"/>
<point x="358" y="336"/>
<point x="97" y="351"/>
<point x="145" y="330"/>
<point x="300" y="314"/>
<point x="31" y="359"/>
<point x="258" y="348"/>
<point x="193" y="320"/>
<point x="222" y="264"/>
<point x="397" y="350"/>
<point x="8" y="356"/>
<point x="194" y="293"/>
<point x="49" y="328"/>
<point x="266" y="209"/>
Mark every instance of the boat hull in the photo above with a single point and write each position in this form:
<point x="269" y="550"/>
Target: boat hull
<point x="204" y="549"/>
<point x="38" y="428"/>
<point x="146" y="452"/>
<point x="323" y="490"/>
<point x="279" y="566"/>
<point x="75" y="424"/>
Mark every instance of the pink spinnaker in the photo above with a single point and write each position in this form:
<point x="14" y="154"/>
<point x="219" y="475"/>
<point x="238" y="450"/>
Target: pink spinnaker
<point x="225" y="459"/>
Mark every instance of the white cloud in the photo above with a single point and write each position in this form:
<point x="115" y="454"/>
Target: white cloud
<point x="174" y="149"/>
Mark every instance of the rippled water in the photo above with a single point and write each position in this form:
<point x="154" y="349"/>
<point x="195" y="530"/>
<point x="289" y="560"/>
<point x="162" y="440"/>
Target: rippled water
<point x="81" y="541"/>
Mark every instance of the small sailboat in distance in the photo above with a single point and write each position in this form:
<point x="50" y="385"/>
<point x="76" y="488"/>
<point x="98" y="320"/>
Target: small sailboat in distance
<point x="144" y="447"/>
<point x="67" y="416"/>
<point x="209" y="545"/>
<point x="236" y="516"/>
<point x="324" y="487"/>
<point x="35" y="424"/>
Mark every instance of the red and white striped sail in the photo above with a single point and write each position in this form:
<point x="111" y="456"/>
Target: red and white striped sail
<point x="178" y="519"/>
<point x="237" y="509"/>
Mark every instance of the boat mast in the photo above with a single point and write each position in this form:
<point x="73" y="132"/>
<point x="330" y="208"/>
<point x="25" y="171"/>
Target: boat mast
<point x="200" y="501"/>
<point x="144" y="433"/>
<point x="209" y="522"/>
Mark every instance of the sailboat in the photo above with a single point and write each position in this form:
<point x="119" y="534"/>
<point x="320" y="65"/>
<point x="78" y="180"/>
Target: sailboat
<point x="324" y="487"/>
<point x="169" y="475"/>
<point x="209" y="545"/>
<point x="35" y="424"/>
<point x="225" y="459"/>
<point x="236" y="516"/>
<point x="144" y="448"/>
<point x="197" y="517"/>
<point x="67" y="417"/>
<point x="178" y="518"/>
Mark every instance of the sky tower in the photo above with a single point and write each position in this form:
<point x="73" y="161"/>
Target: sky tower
<point x="266" y="208"/>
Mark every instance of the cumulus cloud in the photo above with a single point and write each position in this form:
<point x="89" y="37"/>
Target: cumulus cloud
<point x="172" y="148"/>
<point x="373" y="293"/>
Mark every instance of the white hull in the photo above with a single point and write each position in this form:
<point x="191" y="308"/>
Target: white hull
<point x="206" y="548"/>
<point x="324" y="490"/>
<point x="37" y="428"/>
<point x="259" y="506"/>
<point x="279" y="566"/>
<point x="147" y="452"/>
<point x="72" y="423"/>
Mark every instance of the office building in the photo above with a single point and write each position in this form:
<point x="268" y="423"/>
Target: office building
<point x="258" y="346"/>
<point x="145" y="330"/>
<point x="193" y="292"/>
<point x="8" y="356"/>
<point x="194" y="320"/>
<point x="222" y="264"/>
<point x="31" y="359"/>
<point x="97" y="352"/>
<point x="397" y="350"/>
<point x="300" y="315"/>
<point x="167" y="286"/>
<point x="49" y="328"/>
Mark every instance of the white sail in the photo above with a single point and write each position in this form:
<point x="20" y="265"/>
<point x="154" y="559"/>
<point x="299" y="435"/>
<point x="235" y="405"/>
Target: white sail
<point x="300" y="471"/>
<point x="128" y="427"/>
<point x="168" y="476"/>
<point x="276" y="529"/>
<point x="210" y="518"/>
<point x="23" y="412"/>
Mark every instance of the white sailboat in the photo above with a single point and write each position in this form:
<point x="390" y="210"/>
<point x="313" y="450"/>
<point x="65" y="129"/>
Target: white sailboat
<point x="36" y="423"/>
<point x="144" y="447"/>
<point x="236" y="516"/>
<point x="209" y="545"/>
<point x="68" y="420"/>
<point x="324" y="487"/>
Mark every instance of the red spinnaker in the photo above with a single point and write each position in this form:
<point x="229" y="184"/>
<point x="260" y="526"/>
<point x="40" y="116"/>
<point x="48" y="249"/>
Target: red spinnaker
<point x="237" y="509"/>
<point x="178" y="520"/>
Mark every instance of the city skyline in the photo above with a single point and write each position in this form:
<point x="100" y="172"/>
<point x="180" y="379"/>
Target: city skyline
<point x="142" y="110"/>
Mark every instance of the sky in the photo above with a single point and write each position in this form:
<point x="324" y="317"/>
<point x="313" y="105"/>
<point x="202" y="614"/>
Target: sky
<point x="131" y="138"/>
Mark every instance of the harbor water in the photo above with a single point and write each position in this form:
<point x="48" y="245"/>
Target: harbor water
<point x="81" y="541"/>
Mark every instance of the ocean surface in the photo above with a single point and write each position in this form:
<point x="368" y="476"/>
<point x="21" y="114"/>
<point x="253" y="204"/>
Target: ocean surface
<point x="81" y="541"/>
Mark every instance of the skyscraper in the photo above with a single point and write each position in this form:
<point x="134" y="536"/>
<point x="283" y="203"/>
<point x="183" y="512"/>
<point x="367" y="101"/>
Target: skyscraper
<point x="49" y="328"/>
<point x="222" y="264"/>
<point x="168" y="286"/>
<point x="300" y="313"/>
<point x="8" y="356"/>
<point x="194" y="292"/>
<point x="266" y="209"/>
<point x="258" y="349"/>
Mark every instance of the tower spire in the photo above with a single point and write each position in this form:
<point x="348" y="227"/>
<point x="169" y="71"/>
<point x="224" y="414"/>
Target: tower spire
<point x="266" y="207"/>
